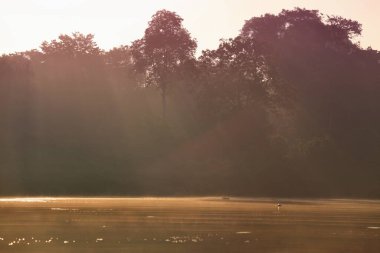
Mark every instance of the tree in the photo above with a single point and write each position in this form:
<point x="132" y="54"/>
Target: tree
<point x="77" y="54"/>
<point x="166" y="46"/>
<point x="120" y="67"/>
<point x="311" y="53"/>
<point x="234" y="77"/>
<point x="73" y="46"/>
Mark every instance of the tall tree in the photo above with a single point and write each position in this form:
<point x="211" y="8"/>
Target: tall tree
<point x="166" y="45"/>
<point x="311" y="54"/>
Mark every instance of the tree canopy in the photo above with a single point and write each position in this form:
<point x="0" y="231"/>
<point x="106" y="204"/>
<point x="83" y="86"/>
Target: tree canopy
<point x="166" y="46"/>
<point x="289" y="107"/>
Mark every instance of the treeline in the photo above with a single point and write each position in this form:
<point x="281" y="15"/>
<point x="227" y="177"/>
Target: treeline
<point x="290" y="107"/>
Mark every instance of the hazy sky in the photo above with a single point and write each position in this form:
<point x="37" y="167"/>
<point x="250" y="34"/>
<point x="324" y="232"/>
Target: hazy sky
<point x="24" y="24"/>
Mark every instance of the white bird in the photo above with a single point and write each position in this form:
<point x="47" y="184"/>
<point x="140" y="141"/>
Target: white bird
<point x="278" y="206"/>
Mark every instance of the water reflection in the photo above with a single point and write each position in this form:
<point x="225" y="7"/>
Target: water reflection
<point x="183" y="225"/>
<point x="28" y="200"/>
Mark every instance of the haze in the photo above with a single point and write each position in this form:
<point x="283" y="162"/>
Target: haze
<point x="26" y="23"/>
<point x="131" y="126"/>
<point x="287" y="107"/>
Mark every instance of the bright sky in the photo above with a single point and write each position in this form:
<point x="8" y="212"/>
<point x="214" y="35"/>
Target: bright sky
<point x="24" y="24"/>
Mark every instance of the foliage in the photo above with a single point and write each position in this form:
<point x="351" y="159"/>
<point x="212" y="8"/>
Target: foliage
<point x="166" y="46"/>
<point x="293" y="100"/>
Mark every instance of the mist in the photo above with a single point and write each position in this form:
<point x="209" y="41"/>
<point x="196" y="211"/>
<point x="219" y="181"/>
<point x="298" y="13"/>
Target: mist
<point x="288" y="108"/>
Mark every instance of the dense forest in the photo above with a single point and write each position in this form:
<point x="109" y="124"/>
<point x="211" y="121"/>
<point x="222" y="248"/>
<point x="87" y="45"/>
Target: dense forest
<point x="288" y="108"/>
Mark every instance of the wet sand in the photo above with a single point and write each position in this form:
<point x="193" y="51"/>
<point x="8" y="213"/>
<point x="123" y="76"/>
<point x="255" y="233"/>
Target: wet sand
<point x="209" y="224"/>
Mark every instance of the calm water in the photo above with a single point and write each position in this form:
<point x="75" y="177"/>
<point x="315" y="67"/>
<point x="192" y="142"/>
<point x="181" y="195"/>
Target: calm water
<point x="188" y="225"/>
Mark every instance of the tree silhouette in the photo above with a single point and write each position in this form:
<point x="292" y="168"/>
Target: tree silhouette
<point x="166" y="45"/>
<point x="73" y="46"/>
<point x="289" y="107"/>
